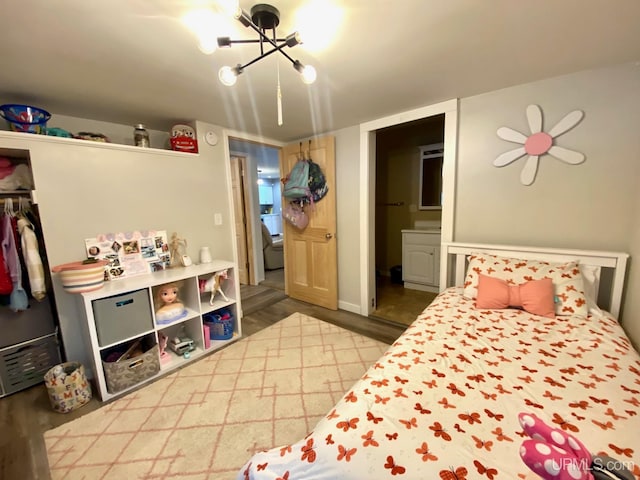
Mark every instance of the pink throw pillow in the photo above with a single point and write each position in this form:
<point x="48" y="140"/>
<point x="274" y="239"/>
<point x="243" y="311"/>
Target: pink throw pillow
<point x="535" y="296"/>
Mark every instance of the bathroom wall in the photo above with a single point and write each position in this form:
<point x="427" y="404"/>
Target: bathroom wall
<point x="397" y="182"/>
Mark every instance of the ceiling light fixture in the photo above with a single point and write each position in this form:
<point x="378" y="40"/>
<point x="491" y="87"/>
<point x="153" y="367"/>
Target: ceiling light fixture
<point x="262" y="19"/>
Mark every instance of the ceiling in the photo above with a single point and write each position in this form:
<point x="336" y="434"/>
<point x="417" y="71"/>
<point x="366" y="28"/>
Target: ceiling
<point x="132" y="61"/>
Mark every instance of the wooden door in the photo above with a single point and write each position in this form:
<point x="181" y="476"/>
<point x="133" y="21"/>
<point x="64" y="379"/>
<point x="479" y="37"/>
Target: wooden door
<point x="311" y="263"/>
<point x="243" y="228"/>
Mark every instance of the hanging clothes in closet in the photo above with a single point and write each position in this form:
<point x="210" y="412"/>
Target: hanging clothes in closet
<point x="21" y="257"/>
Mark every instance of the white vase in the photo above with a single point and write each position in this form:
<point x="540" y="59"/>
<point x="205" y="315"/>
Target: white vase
<point x="205" y="255"/>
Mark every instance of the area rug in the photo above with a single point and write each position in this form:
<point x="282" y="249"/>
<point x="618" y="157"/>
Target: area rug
<point x="205" y="420"/>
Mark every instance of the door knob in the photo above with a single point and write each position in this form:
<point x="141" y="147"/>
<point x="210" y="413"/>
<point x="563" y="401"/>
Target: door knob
<point x="328" y="236"/>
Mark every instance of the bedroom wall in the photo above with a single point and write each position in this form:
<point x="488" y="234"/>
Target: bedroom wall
<point x="590" y="206"/>
<point x="631" y="312"/>
<point x="348" y="214"/>
<point x="85" y="189"/>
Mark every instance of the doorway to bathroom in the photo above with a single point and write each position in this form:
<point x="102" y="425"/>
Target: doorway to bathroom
<point x="398" y="208"/>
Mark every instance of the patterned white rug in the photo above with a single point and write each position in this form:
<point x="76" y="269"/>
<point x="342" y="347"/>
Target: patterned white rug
<point x="206" y="420"/>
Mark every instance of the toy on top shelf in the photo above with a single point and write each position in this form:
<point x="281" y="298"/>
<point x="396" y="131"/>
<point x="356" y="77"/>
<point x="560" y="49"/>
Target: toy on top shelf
<point x="214" y="284"/>
<point x="168" y="306"/>
<point x="177" y="250"/>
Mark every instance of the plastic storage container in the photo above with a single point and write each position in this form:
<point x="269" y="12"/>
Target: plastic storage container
<point x="24" y="365"/>
<point x="220" y="323"/>
<point x="25" y="118"/>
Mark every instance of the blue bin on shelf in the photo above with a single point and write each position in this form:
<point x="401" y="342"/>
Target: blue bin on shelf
<point x="221" y="323"/>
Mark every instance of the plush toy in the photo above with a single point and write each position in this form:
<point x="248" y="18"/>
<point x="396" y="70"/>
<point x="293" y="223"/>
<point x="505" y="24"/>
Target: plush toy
<point x="555" y="455"/>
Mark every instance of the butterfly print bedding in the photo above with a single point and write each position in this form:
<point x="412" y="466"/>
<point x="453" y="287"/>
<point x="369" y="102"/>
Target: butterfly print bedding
<point x="443" y="401"/>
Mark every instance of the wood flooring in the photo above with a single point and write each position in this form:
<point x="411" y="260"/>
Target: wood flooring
<point x="26" y="415"/>
<point x="399" y="304"/>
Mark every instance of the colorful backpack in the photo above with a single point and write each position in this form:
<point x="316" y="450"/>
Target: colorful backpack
<point x="317" y="182"/>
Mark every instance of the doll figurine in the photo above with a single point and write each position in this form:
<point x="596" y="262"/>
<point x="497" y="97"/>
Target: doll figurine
<point x="168" y="306"/>
<point x="177" y="248"/>
<point x="214" y="284"/>
<point x="163" y="340"/>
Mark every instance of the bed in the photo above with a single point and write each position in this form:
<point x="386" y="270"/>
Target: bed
<point x="443" y="401"/>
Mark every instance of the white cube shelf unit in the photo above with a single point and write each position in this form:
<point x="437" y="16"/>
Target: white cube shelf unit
<point x="122" y="312"/>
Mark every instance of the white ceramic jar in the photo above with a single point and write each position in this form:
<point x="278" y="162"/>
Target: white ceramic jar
<point x="205" y="255"/>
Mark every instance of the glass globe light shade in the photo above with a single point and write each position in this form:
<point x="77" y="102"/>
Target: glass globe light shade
<point x="227" y="76"/>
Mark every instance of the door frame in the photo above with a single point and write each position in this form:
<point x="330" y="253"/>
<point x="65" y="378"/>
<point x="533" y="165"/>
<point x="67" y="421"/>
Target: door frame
<point x="367" y="188"/>
<point x="256" y="258"/>
<point x="247" y="224"/>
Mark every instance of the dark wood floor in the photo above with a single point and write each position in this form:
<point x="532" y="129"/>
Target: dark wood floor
<point x="26" y="415"/>
<point x="402" y="305"/>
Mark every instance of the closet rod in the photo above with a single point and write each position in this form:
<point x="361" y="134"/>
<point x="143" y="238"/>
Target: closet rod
<point x="15" y="193"/>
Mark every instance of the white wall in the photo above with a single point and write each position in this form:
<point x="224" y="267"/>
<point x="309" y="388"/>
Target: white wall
<point x="584" y="206"/>
<point x="85" y="188"/>
<point x="348" y="217"/>
<point x="117" y="133"/>
<point x="593" y="205"/>
<point x="631" y="312"/>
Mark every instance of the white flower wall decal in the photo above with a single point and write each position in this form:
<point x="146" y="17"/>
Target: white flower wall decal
<point x="538" y="143"/>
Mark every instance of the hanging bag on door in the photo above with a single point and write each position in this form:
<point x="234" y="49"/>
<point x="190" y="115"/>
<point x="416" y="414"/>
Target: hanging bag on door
<point x="317" y="183"/>
<point x="296" y="184"/>
<point x="294" y="214"/>
<point x="306" y="182"/>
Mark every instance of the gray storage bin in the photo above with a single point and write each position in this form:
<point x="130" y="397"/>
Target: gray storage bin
<point x="122" y="316"/>
<point x="24" y="365"/>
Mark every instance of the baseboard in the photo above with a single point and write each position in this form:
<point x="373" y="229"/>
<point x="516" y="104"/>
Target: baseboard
<point x="349" y="307"/>
<point x="424" y="288"/>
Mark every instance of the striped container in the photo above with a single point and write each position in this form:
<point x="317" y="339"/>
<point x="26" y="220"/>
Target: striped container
<point x="79" y="277"/>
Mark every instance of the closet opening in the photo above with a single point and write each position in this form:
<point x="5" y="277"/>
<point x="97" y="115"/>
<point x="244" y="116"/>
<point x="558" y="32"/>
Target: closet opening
<point x="29" y="341"/>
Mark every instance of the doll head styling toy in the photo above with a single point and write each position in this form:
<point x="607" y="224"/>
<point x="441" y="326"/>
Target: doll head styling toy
<point x="168" y="306"/>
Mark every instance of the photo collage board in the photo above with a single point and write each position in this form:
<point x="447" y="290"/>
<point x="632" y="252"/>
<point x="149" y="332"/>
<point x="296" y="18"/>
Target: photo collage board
<point x="130" y="253"/>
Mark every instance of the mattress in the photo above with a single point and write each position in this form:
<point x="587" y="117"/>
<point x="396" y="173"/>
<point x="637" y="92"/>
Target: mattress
<point x="443" y="401"/>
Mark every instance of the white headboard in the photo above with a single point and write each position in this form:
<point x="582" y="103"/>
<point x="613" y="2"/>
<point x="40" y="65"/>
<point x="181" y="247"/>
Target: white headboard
<point x="454" y="265"/>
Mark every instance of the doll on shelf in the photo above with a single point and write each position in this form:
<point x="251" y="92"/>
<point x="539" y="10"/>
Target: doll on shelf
<point x="177" y="249"/>
<point x="163" y="340"/>
<point x="168" y="306"/>
<point x="214" y="284"/>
